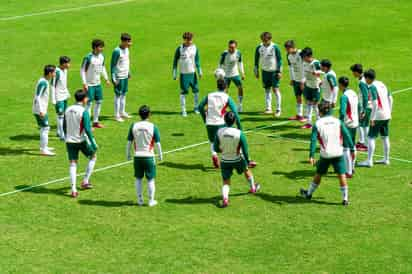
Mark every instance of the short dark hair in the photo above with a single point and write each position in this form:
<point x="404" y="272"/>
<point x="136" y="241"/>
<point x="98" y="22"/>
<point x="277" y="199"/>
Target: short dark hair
<point x="266" y="34"/>
<point x="48" y="69"/>
<point x="324" y="107"/>
<point x="357" y="68"/>
<point x="232" y="42"/>
<point x="187" y="35"/>
<point x="125" y="37"/>
<point x="97" y="43"/>
<point x="230" y="118"/>
<point x="290" y="44"/>
<point x="144" y="112"/>
<point x="64" y="60"/>
<point x="306" y="52"/>
<point x="344" y="81"/>
<point x="326" y="63"/>
<point x="80" y="95"/>
<point x="221" y="84"/>
<point x="370" y="74"/>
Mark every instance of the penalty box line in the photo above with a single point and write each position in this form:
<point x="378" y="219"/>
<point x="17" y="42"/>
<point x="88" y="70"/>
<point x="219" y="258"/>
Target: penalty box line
<point x="169" y="152"/>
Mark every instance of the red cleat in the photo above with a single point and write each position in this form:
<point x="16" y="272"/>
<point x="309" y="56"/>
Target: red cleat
<point x="254" y="190"/>
<point x="215" y="160"/>
<point x="293" y="118"/>
<point x="252" y="164"/>
<point x="86" y="185"/>
<point x="98" y="125"/>
<point x="349" y="176"/>
<point x="302" y="119"/>
<point x="307" y="126"/>
<point x="74" y="194"/>
<point x="225" y="203"/>
<point x="361" y="147"/>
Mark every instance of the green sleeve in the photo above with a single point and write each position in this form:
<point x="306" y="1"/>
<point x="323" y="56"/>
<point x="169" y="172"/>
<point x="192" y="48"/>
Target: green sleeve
<point x="313" y="141"/>
<point x="113" y="63"/>
<point x="244" y="146"/>
<point x="233" y="107"/>
<point x="222" y="58"/>
<point x="176" y="58"/>
<point x="86" y="62"/>
<point x="374" y="93"/>
<point x="316" y="65"/>
<point x="239" y="56"/>
<point x="347" y="140"/>
<point x="88" y="128"/>
<point x="278" y="58"/>
<point x="56" y="78"/>
<point x="257" y="56"/>
<point x="343" y="107"/>
<point x="201" y="108"/>
<point x="41" y="87"/>
<point x="197" y="61"/>
<point x="130" y="136"/>
<point x="216" y="144"/>
<point x="363" y="88"/>
<point x="331" y="80"/>
<point x="156" y="134"/>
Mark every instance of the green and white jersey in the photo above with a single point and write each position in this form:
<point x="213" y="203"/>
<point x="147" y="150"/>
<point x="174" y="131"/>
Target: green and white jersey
<point x="328" y="131"/>
<point x="41" y="96"/>
<point x="120" y="64"/>
<point x="311" y="80"/>
<point x="188" y="60"/>
<point x="295" y="63"/>
<point x="381" y="101"/>
<point x="231" y="142"/>
<point x="268" y="58"/>
<point x="232" y="63"/>
<point x="349" y="108"/>
<point x="144" y="135"/>
<point x="364" y="94"/>
<point x="329" y="87"/>
<point x="92" y="69"/>
<point x="77" y="125"/>
<point x="59" y="90"/>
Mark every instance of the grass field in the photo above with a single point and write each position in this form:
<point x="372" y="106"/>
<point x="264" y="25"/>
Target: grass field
<point x="42" y="230"/>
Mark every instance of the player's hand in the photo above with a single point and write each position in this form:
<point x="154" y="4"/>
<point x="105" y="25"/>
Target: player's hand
<point x="200" y="76"/>
<point x="41" y="114"/>
<point x="85" y="87"/>
<point x="243" y="77"/>
<point x="108" y="83"/>
<point x="279" y="75"/>
<point x="312" y="161"/>
<point x="302" y="86"/>
<point x="372" y="123"/>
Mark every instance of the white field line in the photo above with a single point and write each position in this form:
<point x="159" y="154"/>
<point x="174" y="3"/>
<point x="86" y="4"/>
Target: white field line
<point x="172" y="151"/>
<point x="65" y="10"/>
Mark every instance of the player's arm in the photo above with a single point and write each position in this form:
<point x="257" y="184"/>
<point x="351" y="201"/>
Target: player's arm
<point x="257" y="57"/>
<point x="374" y="95"/>
<point x="88" y="129"/>
<point x="233" y="107"/>
<point x="364" y="90"/>
<point x="175" y="61"/>
<point x="390" y="99"/>
<point x="201" y="108"/>
<point x="41" y="88"/>
<point x="313" y="143"/>
<point x="222" y="60"/>
<point x="197" y="63"/>
<point x="83" y="70"/>
<point x="156" y="136"/>
<point x="343" y="107"/>
<point x="244" y="146"/>
<point x="278" y="55"/>
<point x="291" y="72"/>
<point x="216" y="144"/>
<point x="347" y="140"/>
<point x="316" y="69"/>
<point x="241" y="67"/>
<point x="104" y="73"/>
<point x="54" y="85"/>
<point x="130" y="140"/>
<point x="333" y="86"/>
<point x="113" y="65"/>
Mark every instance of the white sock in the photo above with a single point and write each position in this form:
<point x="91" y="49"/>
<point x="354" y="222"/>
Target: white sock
<point x="348" y="160"/>
<point x="122" y="104"/>
<point x="212" y="149"/>
<point x="96" y="113"/>
<point x="116" y="106"/>
<point x="268" y="99"/>
<point x="44" y="137"/>
<point x="151" y="189"/>
<point x="196" y="99"/>
<point x="309" y="111"/>
<point x="73" y="175"/>
<point x="344" y="190"/>
<point x="60" y="130"/>
<point x="251" y="181"/>
<point x="316" y="111"/>
<point x="386" y="147"/>
<point x="225" y="191"/>
<point x="278" y="100"/>
<point x="89" y="169"/>
<point x="183" y="102"/>
<point x="299" y="109"/>
<point x="312" y="188"/>
<point x="354" y="161"/>
<point x="139" y="189"/>
<point x="240" y="98"/>
<point x="371" y="149"/>
<point x="361" y="135"/>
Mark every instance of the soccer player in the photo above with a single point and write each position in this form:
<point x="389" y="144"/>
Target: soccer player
<point x="329" y="84"/>
<point x="39" y="109"/>
<point x="79" y="137"/>
<point x="60" y="93"/>
<point x="120" y="70"/>
<point x="188" y="60"/>
<point x="217" y="102"/>
<point x="91" y="70"/>
<point x="297" y="78"/>
<point x="349" y="115"/>
<point x="332" y="135"/>
<point x="311" y="91"/>
<point x="380" y="116"/>
<point x="232" y="143"/>
<point x="232" y="63"/>
<point x="269" y="58"/>
<point x="366" y="107"/>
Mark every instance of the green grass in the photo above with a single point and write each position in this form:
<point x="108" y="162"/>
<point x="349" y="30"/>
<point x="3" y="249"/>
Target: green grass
<point x="44" y="231"/>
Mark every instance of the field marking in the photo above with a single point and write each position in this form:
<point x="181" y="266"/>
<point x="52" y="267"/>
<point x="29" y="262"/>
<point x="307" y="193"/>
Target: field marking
<point x="66" y="10"/>
<point x="176" y="150"/>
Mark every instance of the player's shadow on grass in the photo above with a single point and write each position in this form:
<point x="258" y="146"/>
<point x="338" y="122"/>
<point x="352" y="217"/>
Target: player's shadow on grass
<point x="215" y="200"/>
<point x="63" y="191"/>
<point x="295" y="174"/>
<point x="166" y="112"/>
<point x="277" y="199"/>
<point x="10" y="151"/>
<point x="24" y="137"/>
<point x="183" y="166"/>
<point x="107" y="203"/>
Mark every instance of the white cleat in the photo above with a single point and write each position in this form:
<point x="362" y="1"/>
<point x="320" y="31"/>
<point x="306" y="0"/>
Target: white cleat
<point x="365" y="164"/>
<point x="278" y="113"/>
<point x="47" y="152"/>
<point x="50" y="148"/>
<point x="152" y="203"/>
<point x="184" y="114"/>
<point x="382" y="162"/>
<point x="126" y="115"/>
<point x="196" y="111"/>
<point x="268" y="111"/>
<point x="119" y="119"/>
<point x="140" y="202"/>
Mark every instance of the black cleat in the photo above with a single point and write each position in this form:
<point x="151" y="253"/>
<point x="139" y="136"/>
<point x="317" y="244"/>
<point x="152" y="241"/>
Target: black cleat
<point x="345" y="202"/>
<point x="304" y="194"/>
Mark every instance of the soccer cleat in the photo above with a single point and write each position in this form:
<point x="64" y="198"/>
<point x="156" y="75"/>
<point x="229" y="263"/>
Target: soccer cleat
<point x="50" y="148"/>
<point x="268" y="111"/>
<point x="294" y="118"/>
<point x="74" y="194"/>
<point x="306" y="126"/>
<point x="240" y="108"/>
<point x="382" y="162"/>
<point x="119" y="119"/>
<point x="278" y="113"/>
<point x="349" y="176"/>
<point x="215" y="161"/>
<point x="126" y="115"/>
<point x="225" y="203"/>
<point x="47" y="152"/>
<point x="196" y="110"/>
<point x="152" y="203"/>
<point x="184" y="113"/>
<point x="365" y="164"/>
<point x="97" y="125"/>
<point x="345" y="202"/>
<point x="252" y="164"/>
<point x="140" y="202"/>
<point x="302" y="119"/>
<point x="361" y="147"/>
<point x="256" y="189"/>
<point x="86" y="185"/>
<point x="304" y="194"/>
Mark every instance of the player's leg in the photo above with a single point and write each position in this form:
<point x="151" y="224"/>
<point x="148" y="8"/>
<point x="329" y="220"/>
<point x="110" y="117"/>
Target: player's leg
<point x="211" y="134"/>
<point x="299" y="107"/>
<point x="124" y="89"/>
<point x="384" y="132"/>
<point x="276" y="91"/>
<point x="150" y="171"/>
<point x="43" y="123"/>
<point x="226" y="171"/>
<point x="344" y="189"/>
<point x="364" y="131"/>
<point x="139" y="175"/>
<point x="194" y="84"/>
<point x="322" y="167"/>
<point x="309" y="107"/>
<point x="117" y="94"/>
<point x="340" y="169"/>
<point x="184" y="90"/>
<point x="90" y="153"/>
<point x="98" y="106"/>
<point x="348" y="162"/>
<point x="228" y="80"/>
<point x="238" y="83"/>
<point x="73" y="155"/>
<point x="253" y="186"/>
<point x="372" y="135"/>
<point x="60" y="108"/>
<point x="90" y="95"/>
<point x="267" y="84"/>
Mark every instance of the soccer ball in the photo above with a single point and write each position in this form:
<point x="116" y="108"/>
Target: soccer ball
<point x="219" y="74"/>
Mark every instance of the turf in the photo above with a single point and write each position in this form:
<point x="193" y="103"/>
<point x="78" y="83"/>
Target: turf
<point x="44" y="231"/>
